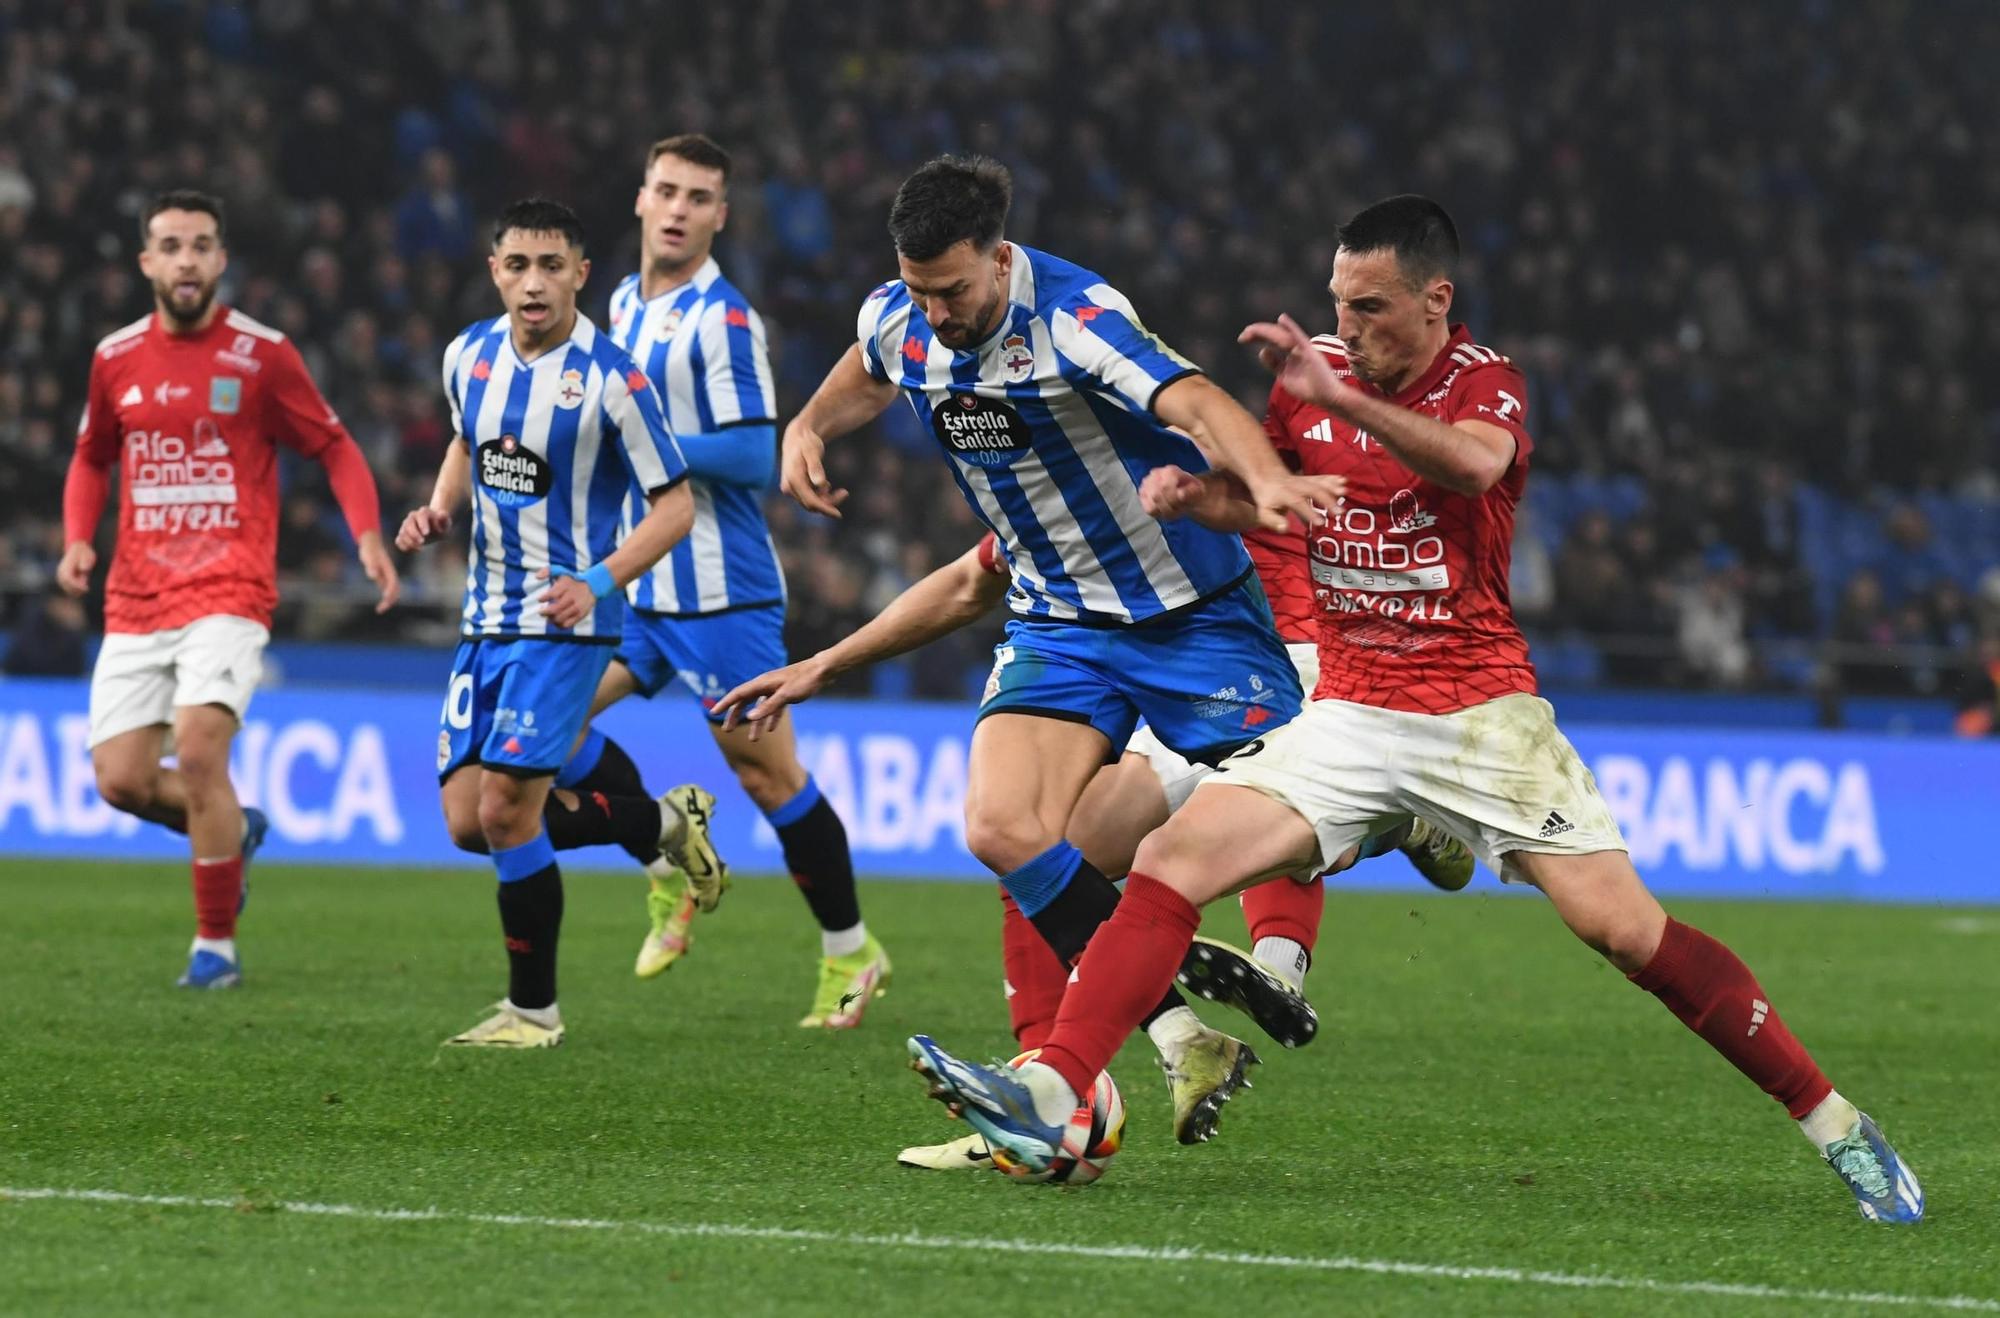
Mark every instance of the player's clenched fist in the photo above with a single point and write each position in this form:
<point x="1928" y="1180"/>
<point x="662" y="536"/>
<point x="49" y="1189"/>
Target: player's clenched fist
<point x="423" y="526"/>
<point x="1170" y="492"/>
<point x="73" y="573"/>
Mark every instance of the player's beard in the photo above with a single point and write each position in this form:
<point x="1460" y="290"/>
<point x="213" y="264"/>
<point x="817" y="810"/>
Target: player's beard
<point x="204" y="299"/>
<point x="959" y="337"/>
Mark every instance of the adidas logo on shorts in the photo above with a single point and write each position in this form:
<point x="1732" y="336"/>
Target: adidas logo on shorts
<point x="1555" y="824"/>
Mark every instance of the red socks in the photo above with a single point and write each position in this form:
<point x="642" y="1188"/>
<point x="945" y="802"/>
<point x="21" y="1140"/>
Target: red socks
<point x="1125" y="971"/>
<point x="1714" y="994"/>
<point x="1283" y="908"/>
<point x="218" y="890"/>
<point x="1035" y="976"/>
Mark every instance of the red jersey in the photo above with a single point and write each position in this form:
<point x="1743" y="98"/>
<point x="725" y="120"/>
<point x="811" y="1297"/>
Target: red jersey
<point x="1280" y="558"/>
<point x="1411" y="576"/>
<point x="193" y="421"/>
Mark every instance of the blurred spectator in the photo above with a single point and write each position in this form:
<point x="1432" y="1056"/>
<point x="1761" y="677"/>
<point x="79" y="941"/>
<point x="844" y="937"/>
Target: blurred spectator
<point x="49" y="642"/>
<point x="434" y="218"/>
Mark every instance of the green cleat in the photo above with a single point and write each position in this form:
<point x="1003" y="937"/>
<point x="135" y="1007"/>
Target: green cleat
<point x="670" y="908"/>
<point x="684" y="843"/>
<point x="846" y="985"/>
<point x="1202" y="1074"/>
<point x="1438" y="856"/>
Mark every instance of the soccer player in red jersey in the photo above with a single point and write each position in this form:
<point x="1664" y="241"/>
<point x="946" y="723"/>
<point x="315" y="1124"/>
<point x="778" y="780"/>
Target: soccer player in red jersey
<point x="1125" y="801"/>
<point x="1426" y="703"/>
<point x="190" y="404"/>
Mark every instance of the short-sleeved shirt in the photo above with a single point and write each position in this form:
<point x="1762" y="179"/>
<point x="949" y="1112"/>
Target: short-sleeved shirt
<point x="556" y="446"/>
<point x="1412" y="576"/>
<point x="194" y="422"/>
<point x="1049" y="428"/>
<point x="703" y="346"/>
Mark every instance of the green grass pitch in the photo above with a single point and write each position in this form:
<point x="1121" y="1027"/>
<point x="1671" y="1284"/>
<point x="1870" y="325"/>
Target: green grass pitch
<point x="1487" y="1103"/>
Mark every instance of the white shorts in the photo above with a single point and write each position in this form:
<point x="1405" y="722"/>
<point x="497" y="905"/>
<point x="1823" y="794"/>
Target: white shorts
<point x="1179" y="777"/>
<point x="1499" y="776"/>
<point x="142" y="677"/>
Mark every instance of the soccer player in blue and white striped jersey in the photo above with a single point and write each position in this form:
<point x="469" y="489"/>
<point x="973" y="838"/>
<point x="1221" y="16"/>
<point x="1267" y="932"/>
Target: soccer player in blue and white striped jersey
<point x="711" y="614"/>
<point x="1051" y="401"/>
<point x="553" y="424"/>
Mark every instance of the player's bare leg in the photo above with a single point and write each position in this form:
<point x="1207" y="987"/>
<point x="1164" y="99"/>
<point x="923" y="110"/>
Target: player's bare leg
<point x="131" y="778"/>
<point x="1122" y="804"/>
<point x="459" y="797"/>
<point x="1709" y="989"/>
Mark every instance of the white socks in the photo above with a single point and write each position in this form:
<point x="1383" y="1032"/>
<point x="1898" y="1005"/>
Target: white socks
<point x="222" y="947"/>
<point x="1174" y="1028"/>
<point x="549" y="1017"/>
<point x="1284" y="958"/>
<point x="1055" y="1101"/>
<point x="843" y="942"/>
<point x="1829" y="1122"/>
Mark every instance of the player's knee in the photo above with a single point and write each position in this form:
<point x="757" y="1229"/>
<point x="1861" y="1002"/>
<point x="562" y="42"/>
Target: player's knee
<point x="1005" y="841"/>
<point x="504" y="821"/>
<point x="204" y="765"/>
<point x="1627" y="938"/>
<point x="1169" y="855"/>
<point x="769" y="785"/>
<point x="125" y="789"/>
<point x="466" y="833"/>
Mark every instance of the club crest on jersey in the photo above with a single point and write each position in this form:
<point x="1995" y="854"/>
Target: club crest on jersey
<point x="1406" y="512"/>
<point x="514" y="475"/>
<point x="225" y="395"/>
<point x="569" y="393"/>
<point x="982" y="431"/>
<point x="668" y="324"/>
<point x="1015" y="357"/>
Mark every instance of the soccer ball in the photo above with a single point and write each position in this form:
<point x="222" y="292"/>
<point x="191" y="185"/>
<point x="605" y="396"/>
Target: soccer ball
<point x="1089" y="1141"/>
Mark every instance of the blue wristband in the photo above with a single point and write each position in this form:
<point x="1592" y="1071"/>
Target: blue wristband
<point x="597" y="576"/>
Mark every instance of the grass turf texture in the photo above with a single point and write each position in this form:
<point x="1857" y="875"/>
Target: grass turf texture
<point x="1486" y="1093"/>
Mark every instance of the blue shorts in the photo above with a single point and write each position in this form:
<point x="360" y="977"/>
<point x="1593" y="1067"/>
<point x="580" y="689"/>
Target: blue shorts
<point x="1206" y="680"/>
<point x="517" y="705"/>
<point x="710" y="654"/>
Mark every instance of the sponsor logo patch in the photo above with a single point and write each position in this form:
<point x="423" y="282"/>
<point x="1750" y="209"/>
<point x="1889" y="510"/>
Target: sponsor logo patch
<point x="514" y="475"/>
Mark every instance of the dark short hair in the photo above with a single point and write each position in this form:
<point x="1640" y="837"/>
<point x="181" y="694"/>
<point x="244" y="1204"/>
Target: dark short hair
<point x="950" y="200"/>
<point x="1415" y="228"/>
<point x="183" y="199"/>
<point x="695" y="148"/>
<point x="539" y="215"/>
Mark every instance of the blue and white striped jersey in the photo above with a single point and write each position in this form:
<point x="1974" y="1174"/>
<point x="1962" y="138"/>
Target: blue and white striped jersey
<point x="1049" y="430"/>
<point x="557" y="445"/>
<point x="703" y="347"/>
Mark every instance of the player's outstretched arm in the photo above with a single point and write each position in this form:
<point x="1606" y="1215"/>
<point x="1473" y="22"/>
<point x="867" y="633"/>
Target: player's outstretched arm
<point x="1468" y="456"/>
<point x="572" y="596"/>
<point x="938" y="605"/>
<point x="846" y="400"/>
<point x="432" y="522"/>
<point x="1234" y="442"/>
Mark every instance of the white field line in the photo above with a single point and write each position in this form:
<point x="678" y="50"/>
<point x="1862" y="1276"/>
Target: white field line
<point x="1031" y="1248"/>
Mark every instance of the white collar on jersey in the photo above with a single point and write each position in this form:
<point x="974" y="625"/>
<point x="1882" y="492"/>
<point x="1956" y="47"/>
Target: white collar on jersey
<point x="583" y="334"/>
<point x="1020" y="293"/>
<point x="707" y="274"/>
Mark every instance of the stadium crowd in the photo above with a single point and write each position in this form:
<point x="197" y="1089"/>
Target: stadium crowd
<point x="1766" y="453"/>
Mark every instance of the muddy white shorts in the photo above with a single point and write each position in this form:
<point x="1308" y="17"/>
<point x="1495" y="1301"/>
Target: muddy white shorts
<point x="142" y="677"/>
<point x="1178" y="777"/>
<point x="1499" y="776"/>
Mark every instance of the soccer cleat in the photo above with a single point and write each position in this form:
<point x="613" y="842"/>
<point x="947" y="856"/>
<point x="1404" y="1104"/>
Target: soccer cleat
<point x="508" y="1028"/>
<point x="210" y="970"/>
<point x="256" y="827"/>
<point x="995" y="1099"/>
<point x="1221" y="973"/>
<point x="1203" y="1073"/>
<point x="846" y="985"/>
<point x="1883" y="1184"/>
<point x="1438" y="856"/>
<point x="966" y="1154"/>
<point x="684" y="815"/>
<point x="670" y="908"/>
